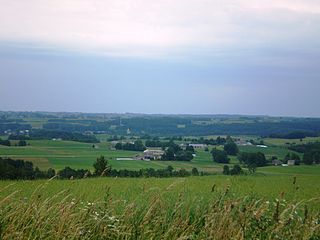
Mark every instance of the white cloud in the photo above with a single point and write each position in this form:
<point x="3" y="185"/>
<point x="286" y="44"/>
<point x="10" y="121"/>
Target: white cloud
<point x="155" y="28"/>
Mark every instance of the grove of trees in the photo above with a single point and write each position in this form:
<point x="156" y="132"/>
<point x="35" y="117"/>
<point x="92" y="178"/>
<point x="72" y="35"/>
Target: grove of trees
<point x="136" y="146"/>
<point x="256" y="159"/>
<point x="219" y="156"/>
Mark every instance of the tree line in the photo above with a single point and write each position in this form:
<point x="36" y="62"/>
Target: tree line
<point x="7" y="143"/>
<point x="20" y="169"/>
<point x="135" y="146"/>
<point x="310" y="151"/>
<point x="24" y="170"/>
<point x="295" y="135"/>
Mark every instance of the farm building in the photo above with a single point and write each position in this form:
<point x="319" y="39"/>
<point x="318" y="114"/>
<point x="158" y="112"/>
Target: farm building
<point x="153" y="154"/>
<point x="197" y="146"/>
<point x="243" y="143"/>
<point x="291" y="162"/>
<point x="276" y="162"/>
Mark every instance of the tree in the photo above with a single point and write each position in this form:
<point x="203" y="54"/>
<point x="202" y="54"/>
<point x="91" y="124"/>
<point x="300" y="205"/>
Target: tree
<point x="118" y="146"/>
<point x="168" y="154"/>
<point x="220" y="156"/>
<point x="183" y="156"/>
<point x="236" y="170"/>
<point x="170" y="168"/>
<point x="258" y="159"/>
<point x="138" y="146"/>
<point x="226" y="170"/>
<point x="195" y="172"/>
<point x="252" y="168"/>
<point x="22" y="143"/>
<point x="287" y="157"/>
<point x="190" y="149"/>
<point x="308" y="158"/>
<point x="101" y="166"/>
<point x="295" y="156"/>
<point x="5" y="142"/>
<point x="231" y="148"/>
<point x="51" y="173"/>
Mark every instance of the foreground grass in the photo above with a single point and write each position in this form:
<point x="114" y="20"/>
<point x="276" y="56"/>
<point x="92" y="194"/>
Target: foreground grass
<point x="212" y="207"/>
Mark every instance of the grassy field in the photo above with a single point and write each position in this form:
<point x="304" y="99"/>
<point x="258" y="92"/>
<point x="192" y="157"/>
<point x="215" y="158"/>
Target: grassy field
<point x="274" y="203"/>
<point x="278" y="151"/>
<point x="268" y="205"/>
<point x="268" y="182"/>
<point x="58" y="154"/>
<point x="283" y="142"/>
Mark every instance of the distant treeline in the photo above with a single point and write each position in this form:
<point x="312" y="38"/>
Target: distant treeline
<point x="169" y="126"/>
<point x="162" y="125"/>
<point x="41" y="134"/>
<point x="294" y="135"/>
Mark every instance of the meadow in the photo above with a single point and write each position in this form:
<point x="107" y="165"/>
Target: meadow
<point x="59" y="154"/>
<point x="267" y="205"/>
<point x="274" y="203"/>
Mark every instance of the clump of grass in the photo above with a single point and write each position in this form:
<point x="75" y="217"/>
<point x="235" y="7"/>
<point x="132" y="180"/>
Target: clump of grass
<point x="62" y="216"/>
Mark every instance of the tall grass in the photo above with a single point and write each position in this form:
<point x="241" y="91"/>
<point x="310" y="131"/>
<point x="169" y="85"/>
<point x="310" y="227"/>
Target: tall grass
<point x="62" y="216"/>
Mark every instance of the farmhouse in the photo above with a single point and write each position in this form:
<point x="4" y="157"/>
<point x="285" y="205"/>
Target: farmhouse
<point x="197" y="146"/>
<point x="243" y="143"/>
<point x="276" y="162"/>
<point x="153" y="154"/>
<point x="291" y="162"/>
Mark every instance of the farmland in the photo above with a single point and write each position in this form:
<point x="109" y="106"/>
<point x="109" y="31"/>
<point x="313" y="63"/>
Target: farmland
<point x="271" y="202"/>
<point x="113" y="208"/>
<point x="59" y="154"/>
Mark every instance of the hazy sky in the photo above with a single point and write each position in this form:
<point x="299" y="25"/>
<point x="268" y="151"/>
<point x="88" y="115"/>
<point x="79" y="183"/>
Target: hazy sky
<point x="164" y="56"/>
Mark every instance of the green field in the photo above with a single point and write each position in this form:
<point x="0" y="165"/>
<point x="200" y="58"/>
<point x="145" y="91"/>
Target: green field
<point x="269" y="204"/>
<point x="59" y="154"/>
<point x="283" y="142"/>
<point x="274" y="203"/>
<point x="267" y="183"/>
<point x="278" y="151"/>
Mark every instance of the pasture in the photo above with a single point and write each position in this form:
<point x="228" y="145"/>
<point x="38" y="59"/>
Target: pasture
<point x="59" y="154"/>
<point x="286" y="142"/>
<point x="271" y="201"/>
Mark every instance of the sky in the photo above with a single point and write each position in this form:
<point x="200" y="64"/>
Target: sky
<point x="166" y="56"/>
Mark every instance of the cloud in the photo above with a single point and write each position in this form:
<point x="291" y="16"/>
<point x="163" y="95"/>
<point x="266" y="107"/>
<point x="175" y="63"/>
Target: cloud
<point x="159" y="28"/>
